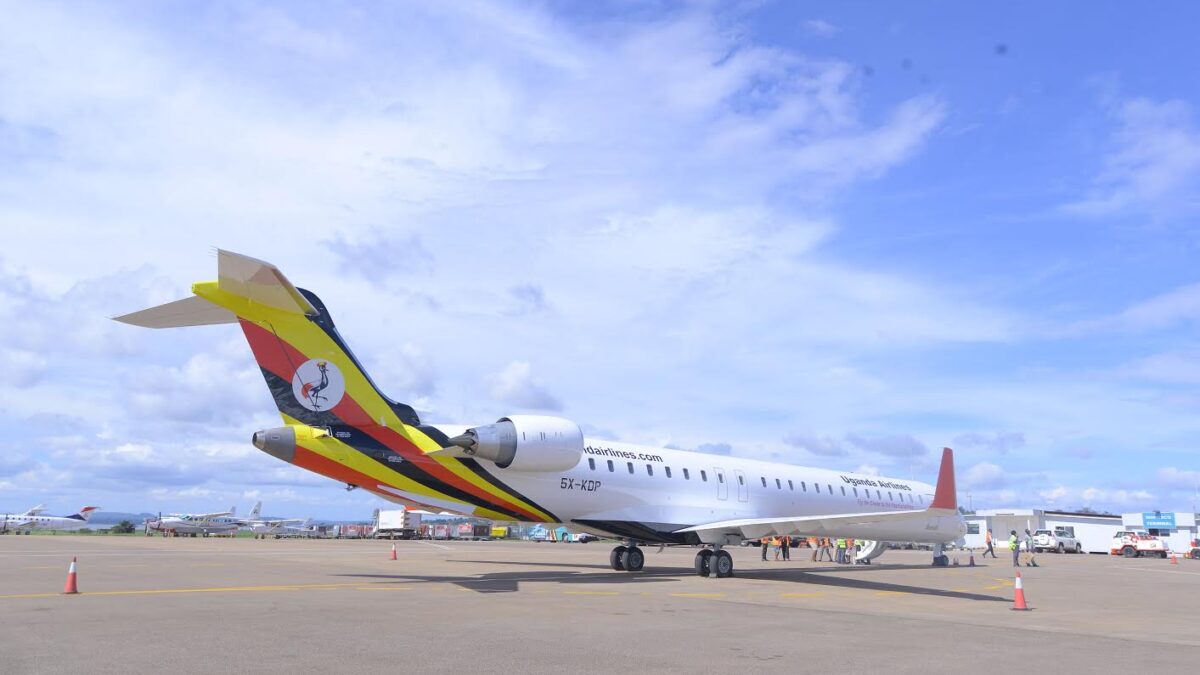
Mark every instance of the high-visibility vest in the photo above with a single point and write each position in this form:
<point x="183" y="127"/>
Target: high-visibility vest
<point x="841" y="543"/>
<point x="1012" y="542"/>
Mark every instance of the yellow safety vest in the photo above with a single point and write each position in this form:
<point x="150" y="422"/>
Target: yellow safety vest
<point x="841" y="543"/>
<point x="1012" y="543"/>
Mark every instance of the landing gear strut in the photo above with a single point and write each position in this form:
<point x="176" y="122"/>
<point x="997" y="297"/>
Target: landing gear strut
<point x="627" y="558"/>
<point x="714" y="562"/>
<point x="940" y="559"/>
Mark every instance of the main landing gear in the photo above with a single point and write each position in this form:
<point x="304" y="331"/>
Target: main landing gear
<point x="627" y="558"/>
<point x="715" y="562"/>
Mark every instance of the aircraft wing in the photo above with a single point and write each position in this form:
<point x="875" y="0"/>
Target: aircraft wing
<point x="945" y="503"/>
<point x="209" y="516"/>
<point x="754" y="528"/>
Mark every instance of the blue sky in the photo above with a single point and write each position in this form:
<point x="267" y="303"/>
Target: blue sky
<point x="839" y="235"/>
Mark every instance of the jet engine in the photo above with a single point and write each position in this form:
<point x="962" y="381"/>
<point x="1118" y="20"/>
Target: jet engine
<point x="525" y="443"/>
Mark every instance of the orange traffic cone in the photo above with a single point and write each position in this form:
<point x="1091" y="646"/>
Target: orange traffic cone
<point x="1019" y="595"/>
<point x="393" y="551"/>
<point x="971" y="560"/>
<point x="71" y="588"/>
<point x="1174" y="559"/>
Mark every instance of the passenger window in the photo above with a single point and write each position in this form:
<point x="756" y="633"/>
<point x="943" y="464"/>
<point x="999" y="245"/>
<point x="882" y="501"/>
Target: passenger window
<point x="685" y="475"/>
<point x="817" y="487"/>
<point x="878" y="495"/>
<point x="764" y="480"/>
<point x="610" y="466"/>
<point x="778" y="485"/>
<point x="720" y="478"/>
<point x="804" y="486"/>
<point x="855" y="492"/>
<point x="890" y="497"/>
<point x="843" y="490"/>
<point x="790" y="486"/>
<point x="741" y="479"/>
<point x="703" y="475"/>
<point x="668" y="472"/>
<point x="630" y="465"/>
<point x="830" y="488"/>
<point x="649" y="470"/>
<point x="591" y="463"/>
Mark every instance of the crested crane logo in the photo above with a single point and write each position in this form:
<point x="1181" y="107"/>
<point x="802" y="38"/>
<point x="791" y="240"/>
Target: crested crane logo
<point x="318" y="385"/>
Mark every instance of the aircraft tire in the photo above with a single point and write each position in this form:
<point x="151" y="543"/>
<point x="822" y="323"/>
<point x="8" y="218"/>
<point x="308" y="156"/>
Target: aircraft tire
<point x="702" y="562"/>
<point x="722" y="564"/>
<point x="616" y="559"/>
<point x="633" y="559"/>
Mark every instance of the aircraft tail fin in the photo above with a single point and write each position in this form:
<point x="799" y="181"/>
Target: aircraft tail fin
<point x="945" y="496"/>
<point x="313" y="376"/>
<point x="256" y="511"/>
<point x="35" y="510"/>
<point x="233" y="510"/>
<point x="85" y="513"/>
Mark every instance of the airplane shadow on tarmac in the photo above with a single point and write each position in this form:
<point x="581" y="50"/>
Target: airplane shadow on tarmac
<point x="509" y="582"/>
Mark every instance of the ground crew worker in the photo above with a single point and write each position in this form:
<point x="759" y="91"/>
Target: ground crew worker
<point x="1015" y="548"/>
<point x="775" y="542"/>
<point x="787" y="547"/>
<point x="1030" y="549"/>
<point x="988" y="539"/>
<point x="828" y="546"/>
<point x="815" y="545"/>
<point x="841" y="551"/>
<point x="851" y="554"/>
<point x="763" y="543"/>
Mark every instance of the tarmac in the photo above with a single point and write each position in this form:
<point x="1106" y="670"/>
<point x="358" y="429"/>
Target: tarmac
<point x="153" y="605"/>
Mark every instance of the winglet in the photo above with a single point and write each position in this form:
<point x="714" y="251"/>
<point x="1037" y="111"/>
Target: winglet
<point x="944" y="495"/>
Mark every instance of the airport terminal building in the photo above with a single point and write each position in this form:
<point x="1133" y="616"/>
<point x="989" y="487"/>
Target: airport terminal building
<point x="1094" y="531"/>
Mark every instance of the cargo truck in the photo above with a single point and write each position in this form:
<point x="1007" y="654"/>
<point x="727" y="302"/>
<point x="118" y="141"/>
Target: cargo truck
<point x="396" y="524"/>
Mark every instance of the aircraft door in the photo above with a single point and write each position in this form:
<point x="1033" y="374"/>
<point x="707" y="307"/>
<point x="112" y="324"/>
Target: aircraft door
<point x="722" y="486"/>
<point x="742" y="488"/>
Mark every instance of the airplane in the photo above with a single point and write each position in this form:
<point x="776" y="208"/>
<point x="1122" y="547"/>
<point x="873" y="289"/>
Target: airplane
<point x="262" y="528"/>
<point x="33" y="520"/>
<point x="193" y="524"/>
<point x="535" y="468"/>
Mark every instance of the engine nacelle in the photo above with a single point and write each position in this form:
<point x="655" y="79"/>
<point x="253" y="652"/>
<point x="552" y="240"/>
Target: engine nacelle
<point x="525" y="443"/>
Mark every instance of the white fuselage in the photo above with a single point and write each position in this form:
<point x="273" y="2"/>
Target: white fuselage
<point x="24" y="523"/>
<point x="618" y="488"/>
<point x="195" y="525"/>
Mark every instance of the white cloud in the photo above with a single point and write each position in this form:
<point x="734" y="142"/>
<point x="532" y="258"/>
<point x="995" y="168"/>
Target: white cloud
<point x="823" y="446"/>
<point x="517" y="386"/>
<point x="985" y="475"/>
<point x="1179" y="305"/>
<point x="1185" y="479"/>
<point x="898" y="445"/>
<point x="1055" y="495"/>
<point x="819" y="27"/>
<point x="1154" y="162"/>
<point x="1000" y="442"/>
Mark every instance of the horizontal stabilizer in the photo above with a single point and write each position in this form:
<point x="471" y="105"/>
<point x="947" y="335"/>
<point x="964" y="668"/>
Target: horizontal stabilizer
<point x="193" y="311"/>
<point x="260" y="282"/>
